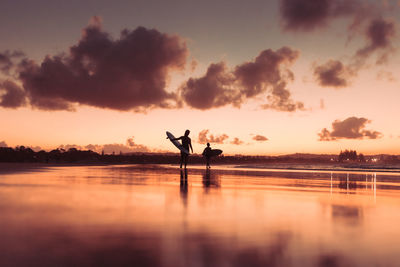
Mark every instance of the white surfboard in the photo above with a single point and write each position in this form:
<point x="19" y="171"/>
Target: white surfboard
<point x="177" y="143"/>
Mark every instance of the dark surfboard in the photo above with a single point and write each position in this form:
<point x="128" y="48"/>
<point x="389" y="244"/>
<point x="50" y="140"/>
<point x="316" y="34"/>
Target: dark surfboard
<point x="214" y="152"/>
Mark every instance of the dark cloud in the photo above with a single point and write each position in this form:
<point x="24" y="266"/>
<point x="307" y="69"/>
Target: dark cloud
<point x="333" y="73"/>
<point x="11" y="95"/>
<point x="350" y="128"/>
<point x="379" y="34"/>
<point x="214" y="89"/>
<point x="3" y="144"/>
<point x="260" y="138"/>
<point x="123" y="74"/>
<point x="204" y="138"/>
<point x="269" y="72"/>
<point x="237" y="141"/>
<point x="267" y="75"/>
<point x="132" y="71"/>
<point x="7" y="60"/>
<point x="307" y="15"/>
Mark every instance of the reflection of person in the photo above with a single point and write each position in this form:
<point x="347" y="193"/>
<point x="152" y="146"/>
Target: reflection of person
<point x="184" y="187"/>
<point x="207" y="155"/>
<point x="186" y="143"/>
<point x="210" y="180"/>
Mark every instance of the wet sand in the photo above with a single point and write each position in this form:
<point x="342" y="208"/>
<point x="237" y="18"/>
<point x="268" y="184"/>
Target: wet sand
<point x="151" y="215"/>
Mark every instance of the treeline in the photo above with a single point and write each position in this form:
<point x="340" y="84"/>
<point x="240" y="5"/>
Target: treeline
<point x="73" y="155"/>
<point x="352" y="156"/>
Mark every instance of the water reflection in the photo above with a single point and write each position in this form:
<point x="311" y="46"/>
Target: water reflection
<point x="350" y="183"/>
<point x="351" y="215"/>
<point x="184" y="187"/>
<point x="210" y="180"/>
<point x="135" y="216"/>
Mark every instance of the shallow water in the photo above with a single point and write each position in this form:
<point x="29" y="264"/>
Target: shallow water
<point x="161" y="216"/>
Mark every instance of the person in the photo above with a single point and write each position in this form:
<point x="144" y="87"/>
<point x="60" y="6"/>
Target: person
<point x="186" y="143"/>
<point x="207" y="155"/>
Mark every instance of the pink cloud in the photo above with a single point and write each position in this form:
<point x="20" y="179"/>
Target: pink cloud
<point x="350" y="128"/>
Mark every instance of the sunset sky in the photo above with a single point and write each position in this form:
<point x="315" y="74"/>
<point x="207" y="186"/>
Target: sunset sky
<point x="256" y="77"/>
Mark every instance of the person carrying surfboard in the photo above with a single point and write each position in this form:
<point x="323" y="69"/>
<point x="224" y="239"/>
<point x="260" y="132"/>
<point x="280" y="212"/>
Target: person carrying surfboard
<point x="207" y="155"/>
<point x="186" y="143"/>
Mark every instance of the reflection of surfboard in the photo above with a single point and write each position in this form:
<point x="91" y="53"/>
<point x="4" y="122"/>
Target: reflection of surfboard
<point x="177" y="143"/>
<point x="214" y="152"/>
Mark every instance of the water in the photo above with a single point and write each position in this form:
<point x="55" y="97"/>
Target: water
<point x="160" y="216"/>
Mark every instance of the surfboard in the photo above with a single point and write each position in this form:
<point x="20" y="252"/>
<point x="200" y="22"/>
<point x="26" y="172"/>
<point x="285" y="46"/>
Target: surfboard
<point x="176" y="143"/>
<point x="214" y="152"/>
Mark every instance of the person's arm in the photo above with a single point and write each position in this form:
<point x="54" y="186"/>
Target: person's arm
<point x="174" y="139"/>
<point x="190" y="145"/>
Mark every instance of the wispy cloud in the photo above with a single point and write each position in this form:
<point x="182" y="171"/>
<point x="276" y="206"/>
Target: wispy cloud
<point x="206" y="137"/>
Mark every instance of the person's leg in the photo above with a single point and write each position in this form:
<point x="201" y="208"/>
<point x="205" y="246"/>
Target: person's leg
<point x="182" y="158"/>
<point x="186" y="159"/>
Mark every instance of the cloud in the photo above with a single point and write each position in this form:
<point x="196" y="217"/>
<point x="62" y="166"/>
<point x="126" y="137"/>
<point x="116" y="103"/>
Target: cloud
<point x="11" y="95"/>
<point x="36" y="148"/>
<point x="214" y="89"/>
<point x="379" y="34"/>
<point x="117" y="148"/>
<point x="7" y="60"/>
<point x="237" y="141"/>
<point x="385" y="75"/>
<point x="136" y="147"/>
<point x="267" y="75"/>
<point x="365" y="18"/>
<point x="350" y="128"/>
<point x="129" y="147"/>
<point x="3" y="144"/>
<point x="333" y="73"/>
<point x="68" y="147"/>
<point x="96" y="148"/>
<point x="132" y="72"/>
<point x="260" y="138"/>
<point x="269" y="71"/>
<point x="127" y="73"/>
<point x="218" y="139"/>
<point x="307" y="15"/>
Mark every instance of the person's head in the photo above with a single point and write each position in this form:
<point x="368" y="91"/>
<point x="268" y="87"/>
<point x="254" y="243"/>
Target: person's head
<point x="187" y="132"/>
<point x="208" y="144"/>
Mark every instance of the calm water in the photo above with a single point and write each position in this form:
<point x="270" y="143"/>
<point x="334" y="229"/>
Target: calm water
<point x="160" y="216"/>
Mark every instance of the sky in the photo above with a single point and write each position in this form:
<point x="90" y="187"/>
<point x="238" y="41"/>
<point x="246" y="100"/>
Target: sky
<point x="256" y="77"/>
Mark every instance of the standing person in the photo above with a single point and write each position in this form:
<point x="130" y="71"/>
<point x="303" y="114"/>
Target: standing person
<point x="186" y="143"/>
<point x="207" y="155"/>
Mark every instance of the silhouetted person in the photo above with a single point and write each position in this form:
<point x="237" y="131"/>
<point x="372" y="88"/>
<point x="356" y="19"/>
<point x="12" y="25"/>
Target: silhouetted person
<point x="207" y="155"/>
<point x="186" y="143"/>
